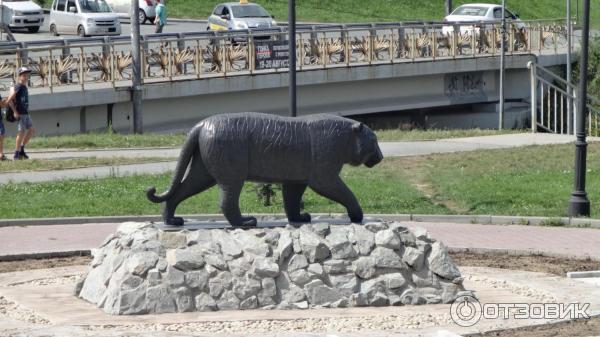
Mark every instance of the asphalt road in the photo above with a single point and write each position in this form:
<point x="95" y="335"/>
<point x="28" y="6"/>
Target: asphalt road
<point x="172" y="27"/>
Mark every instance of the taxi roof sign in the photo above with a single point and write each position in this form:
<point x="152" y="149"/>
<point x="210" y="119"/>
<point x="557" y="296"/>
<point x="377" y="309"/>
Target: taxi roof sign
<point x="243" y="2"/>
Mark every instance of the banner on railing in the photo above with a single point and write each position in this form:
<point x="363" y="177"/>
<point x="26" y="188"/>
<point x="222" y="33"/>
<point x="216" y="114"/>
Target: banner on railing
<point x="272" y="54"/>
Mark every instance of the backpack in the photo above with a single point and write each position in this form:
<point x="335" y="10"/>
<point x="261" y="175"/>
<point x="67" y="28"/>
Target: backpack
<point x="10" y="114"/>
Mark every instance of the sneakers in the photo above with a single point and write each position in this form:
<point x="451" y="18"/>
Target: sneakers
<point x="17" y="155"/>
<point x="3" y="158"/>
<point x="23" y="155"/>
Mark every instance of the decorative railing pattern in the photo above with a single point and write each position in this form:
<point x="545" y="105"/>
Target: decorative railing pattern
<point x="87" y="63"/>
<point x="554" y="104"/>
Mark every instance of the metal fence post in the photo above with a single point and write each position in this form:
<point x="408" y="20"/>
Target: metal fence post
<point x="532" y="66"/>
<point x="136" y="88"/>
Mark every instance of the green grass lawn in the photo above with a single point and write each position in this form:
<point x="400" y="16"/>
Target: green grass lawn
<point x="534" y="181"/>
<point x="113" y="140"/>
<point x="380" y="191"/>
<point x="377" y="10"/>
<point x="372" y="10"/>
<point x="62" y="164"/>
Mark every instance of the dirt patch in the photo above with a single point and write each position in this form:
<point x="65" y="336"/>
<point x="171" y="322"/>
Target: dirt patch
<point x="578" y="328"/>
<point x="11" y="266"/>
<point x="535" y="263"/>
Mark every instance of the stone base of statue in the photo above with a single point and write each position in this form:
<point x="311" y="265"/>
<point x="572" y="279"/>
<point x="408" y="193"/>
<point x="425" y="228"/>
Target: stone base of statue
<point x="142" y="269"/>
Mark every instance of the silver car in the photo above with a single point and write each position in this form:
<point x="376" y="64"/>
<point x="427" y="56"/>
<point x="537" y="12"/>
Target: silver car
<point x="84" y="18"/>
<point x="239" y="15"/>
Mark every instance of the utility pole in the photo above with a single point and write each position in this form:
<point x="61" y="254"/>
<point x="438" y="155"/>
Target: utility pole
<point x="569" y="70"/>
<point x="448" y="7"/>
<point x="292" y="51"/>
<point x="502" y="66"/>
<point x="579" y="204"/>
<point x="136" y="87"/>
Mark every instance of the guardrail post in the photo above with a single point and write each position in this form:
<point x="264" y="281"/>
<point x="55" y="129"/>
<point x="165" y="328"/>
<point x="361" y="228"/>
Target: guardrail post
<point x="181" y="48"/>
<point x="401" y="40"/>
<point x="533" y="73"/>
<point x="66" y="52"/>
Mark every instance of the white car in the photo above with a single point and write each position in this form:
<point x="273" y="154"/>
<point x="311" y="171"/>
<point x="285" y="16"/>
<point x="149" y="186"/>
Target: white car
<point x="84" y="18"/>
<point x="485" y="13"/>
<point x="22" y="14"/>
<point x="123" y="8"/>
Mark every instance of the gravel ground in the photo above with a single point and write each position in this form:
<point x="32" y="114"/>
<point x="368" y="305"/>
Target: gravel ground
<point x="555" y="266"/>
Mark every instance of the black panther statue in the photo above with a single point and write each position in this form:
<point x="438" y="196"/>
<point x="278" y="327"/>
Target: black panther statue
<point x="229" y="149"/>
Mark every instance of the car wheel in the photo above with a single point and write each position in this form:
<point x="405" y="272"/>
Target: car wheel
<point x="142" y="17"/>
<point x="81" y="31"/>
<point x="53" y="30"/>
<point x="33" y="29"/>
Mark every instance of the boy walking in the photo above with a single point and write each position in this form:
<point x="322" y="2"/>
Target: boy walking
<point x="2" y="133"/>
<point x="161" y="16"/>
<point x="19" y="102"/>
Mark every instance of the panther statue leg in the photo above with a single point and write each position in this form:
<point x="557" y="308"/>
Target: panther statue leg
<point x="230" y="204"/>
<point x="335" y="189"/>
<point x="292" y="197"/>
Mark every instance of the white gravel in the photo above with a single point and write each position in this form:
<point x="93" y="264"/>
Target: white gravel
<point x="16" y="312"/>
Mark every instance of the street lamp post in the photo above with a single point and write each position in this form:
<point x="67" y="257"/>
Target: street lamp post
<point x="502" y="66"/>
<point x="448" y="7"/>
<point x="569" y="70"/>
<point x="292" y="57"/>
<point x="136" y="87"/>
<point x="579" y="204"/>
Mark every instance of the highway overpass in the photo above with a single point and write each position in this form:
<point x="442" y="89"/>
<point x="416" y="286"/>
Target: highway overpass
<point x="84" y="85"/>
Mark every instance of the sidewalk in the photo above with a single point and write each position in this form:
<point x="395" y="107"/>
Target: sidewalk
<point x="389" y="149"/>
<point x="571" y="242"/>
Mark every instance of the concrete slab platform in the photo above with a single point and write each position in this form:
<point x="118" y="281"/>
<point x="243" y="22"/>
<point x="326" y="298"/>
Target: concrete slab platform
<point x="49" y="294"/>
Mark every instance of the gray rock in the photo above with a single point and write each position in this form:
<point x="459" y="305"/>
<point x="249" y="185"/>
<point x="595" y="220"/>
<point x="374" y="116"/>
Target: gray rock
<point x="229" y="247"/>
<point x="215" y="260"/>
<point x="394" y="299"/>
<point x="387" y="258"/>
<point x="245" y="287"/>
<point x="154" y="277"/>
<point x="128" y="228"/>
<point x="408" y="238"/>
<point x="220" y="283"/>
<point x="364" y="267"/>
<point x="175" y="277"/>
<point x="186" y="259"/>
<point x="141" y="262"/>
<point x="315" y="269"/>
<point x="337" y="266"/>
<point x="252" y="244"/>
<point x="372" y="287"/>
<point x="199" y="236"/>
<point x="450" y="292"/>
<point x="441" y="263"/>
<point x="358" y="300"/>
<point x="294" y="294"/>
<point x="172" y="240"/>
<point x="376" y="226"/>
<point x="421" y="234"/>
<point x="184" y="300"/>
<point x="240" y="266"/>
<point x="411" y="297"/>
<point x="379" y="299"/>
<point x="313" y="247"/>
<point x="269" y="287"/>
<point x="159" y="299"/>
<point x="272" y="238"/>
<point x="425" y="278"/>
<point x="346" y="284"/>
<point x="341" y="303"/>
<point x="394" y="281"/>
<point x="340" y="245"/>
<point x="228" y="301"/>
<point x="303" y="305"/>
<point x="321" y="229"/>
<point x="197" y="279"/>
<point x="388" y="239"/>
<point x="318" y="293"/>
<point x="162" y="264"/>
<point x="414" y="257"/>
<point x="363" y="239"/>
<point x="297" y="261"/>
<point x="249" y="303"/>
<point x="205" y="303"/>
<point x="284" y="245"/>
<point x="265" y="300"/>
<point x="264" y="267"/>
<point x="300" y="277"/>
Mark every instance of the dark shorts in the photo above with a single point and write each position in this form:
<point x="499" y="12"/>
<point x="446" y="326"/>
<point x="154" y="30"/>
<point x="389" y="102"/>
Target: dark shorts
<point x="25" y="123"/>
<point x="159" y="28"/>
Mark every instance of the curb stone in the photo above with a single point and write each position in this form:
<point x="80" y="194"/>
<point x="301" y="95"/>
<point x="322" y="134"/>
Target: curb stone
<point x="463" y="219"/>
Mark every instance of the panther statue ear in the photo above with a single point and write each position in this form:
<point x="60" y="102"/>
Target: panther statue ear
<point x="357" y="127"/>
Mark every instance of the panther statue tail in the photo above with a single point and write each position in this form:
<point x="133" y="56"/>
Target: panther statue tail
<point x="187" y="152"/>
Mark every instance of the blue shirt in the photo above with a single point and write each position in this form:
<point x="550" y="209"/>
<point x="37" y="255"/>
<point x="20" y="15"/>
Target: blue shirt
<point x="161" y="13"/>
<point x="22" y="99"/>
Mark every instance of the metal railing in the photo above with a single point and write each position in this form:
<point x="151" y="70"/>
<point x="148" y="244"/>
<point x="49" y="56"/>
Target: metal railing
<point x="554" y="104"/>
<point x="88" y="63"/>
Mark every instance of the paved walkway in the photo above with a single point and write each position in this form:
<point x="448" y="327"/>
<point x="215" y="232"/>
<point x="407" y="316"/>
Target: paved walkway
<point x="574" y="242"/>
<point x="389" y="149"/>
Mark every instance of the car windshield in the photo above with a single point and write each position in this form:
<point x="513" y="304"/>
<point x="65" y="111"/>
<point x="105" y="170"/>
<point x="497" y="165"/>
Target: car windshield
<point x="94" y="6"/>
<point x="471" y="11"/>
<point x="249" y="11"/>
